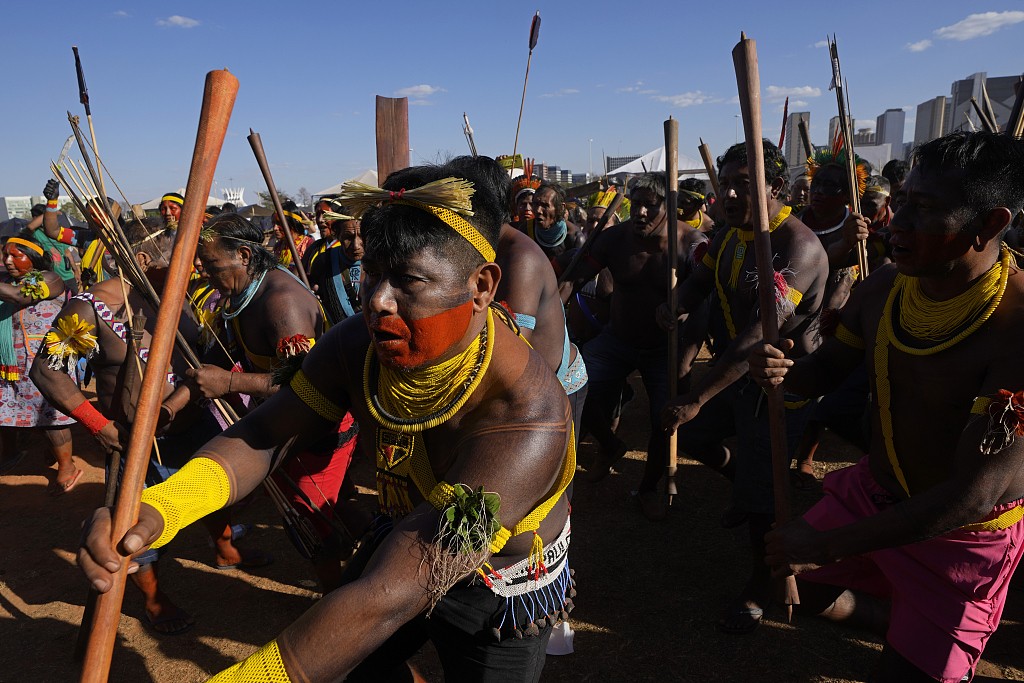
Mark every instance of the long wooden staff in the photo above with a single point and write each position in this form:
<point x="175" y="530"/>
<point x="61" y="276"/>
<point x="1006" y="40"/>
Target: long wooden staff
<point x="672" y="202"/>
<point x="709" y="166"/>
<point x="851" y="159"/>
<point x="987" y="103"/>
<point x="585" y="249"/>
<point x="261" y="158"/>
<point x="785" y="115"/>
<point x="83" y="97"/>
<point x="748" y="81"/>
<point x="218" y="100"/>
<point x="986" y="123"/>
<point x="805" y="137"/>
<point x="534" y="35"/>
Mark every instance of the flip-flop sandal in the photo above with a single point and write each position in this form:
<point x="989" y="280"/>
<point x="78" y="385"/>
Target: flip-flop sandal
<point x="60" y="488"/>
<point x="253" y="559"/>
<point x="162" y="624"/>
<point x="753" y="614"/>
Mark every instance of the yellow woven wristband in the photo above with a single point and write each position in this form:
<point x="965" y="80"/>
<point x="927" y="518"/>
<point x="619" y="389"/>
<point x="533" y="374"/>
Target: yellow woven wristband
<point x="263" y="666"/>
<point x="194" y="491"/>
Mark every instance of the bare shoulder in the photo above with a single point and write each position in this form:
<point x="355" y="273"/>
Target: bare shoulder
<point x="521" y="385"/>
<point x="285" y="294"/>
<point x="522" y="254"/>
<point x="336" y="359"/>
<point x="108" y="291"/>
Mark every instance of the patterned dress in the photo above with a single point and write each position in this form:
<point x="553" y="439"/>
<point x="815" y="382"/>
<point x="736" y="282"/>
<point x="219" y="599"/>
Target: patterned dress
<point x="21" y="404"/>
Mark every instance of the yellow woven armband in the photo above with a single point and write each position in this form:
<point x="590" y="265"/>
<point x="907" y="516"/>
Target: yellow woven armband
<point x="499" y="540"/>
<point x="795" y="295"/>
<point x="847" y="337"/>
<point x="263" y="666"/>
<point x="708" y="261"/>
<point x="312" y="397"/>
<point x="194" y="491"/>
<point x="441" y="496"/>
<point x="981" y="405"/>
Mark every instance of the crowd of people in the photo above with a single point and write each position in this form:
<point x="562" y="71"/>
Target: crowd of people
<point x="466" y="329"/>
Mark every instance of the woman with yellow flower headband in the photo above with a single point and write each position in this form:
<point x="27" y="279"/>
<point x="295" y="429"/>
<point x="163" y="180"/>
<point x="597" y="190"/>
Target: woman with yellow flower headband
<point x="297" y="224"/>
<point x="31" y="295"/>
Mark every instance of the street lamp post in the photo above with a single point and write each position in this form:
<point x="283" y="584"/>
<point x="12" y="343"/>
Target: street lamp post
<point x="590" y="174"/>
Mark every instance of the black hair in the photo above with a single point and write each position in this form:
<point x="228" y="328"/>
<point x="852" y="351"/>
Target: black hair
<point x="559" y="198"/>
<point x="993" y="166"/>
<point x="498" y="179"/>
<point x="653" y="181"/>
<point x="693" y="185"/>
<point x="879" y="182"/>
<point x="235" y="231"/>
<point x="393" y="232"/>
<point x="39" y="261"/>
<point x="139" y="231"/>
<point x="775" y="165"/>
<point x="228" y="207"/>
<point x="895" y="171"/>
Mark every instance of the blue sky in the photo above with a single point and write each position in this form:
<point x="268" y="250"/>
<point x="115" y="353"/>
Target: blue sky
<point x="602" y="71"/>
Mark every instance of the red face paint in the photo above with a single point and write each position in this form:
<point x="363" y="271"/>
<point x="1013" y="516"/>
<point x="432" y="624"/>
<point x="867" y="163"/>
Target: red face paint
<point x="418" y="342"/>
<point x="16" y="262"/>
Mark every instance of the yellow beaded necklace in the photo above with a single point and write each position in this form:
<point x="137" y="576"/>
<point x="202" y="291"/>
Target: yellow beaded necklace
<point x="920" y="317"/>
<point x="739" y="251"/>
<point x="415" y="401"/>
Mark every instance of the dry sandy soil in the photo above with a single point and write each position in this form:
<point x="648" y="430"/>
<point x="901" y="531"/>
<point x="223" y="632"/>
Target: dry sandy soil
<point x="649" y="593"/>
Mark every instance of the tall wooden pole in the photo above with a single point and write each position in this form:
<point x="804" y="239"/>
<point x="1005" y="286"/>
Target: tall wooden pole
<point x="83" y="97"/>
<point x="261" y="158"/>
<point x="534" y="35"/>
<point x="748" y="82"/>
<point x="805" y="137"/>
<point x="392" y="136"/>
<point x="218" y="100"/>
<point x="709" y="166"/>
<point x="671" y="205"/>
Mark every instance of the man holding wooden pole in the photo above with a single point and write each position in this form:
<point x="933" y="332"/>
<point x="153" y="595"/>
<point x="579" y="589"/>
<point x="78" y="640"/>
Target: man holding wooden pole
<point x="725" y="402"/>
<point x="931" y="518"/>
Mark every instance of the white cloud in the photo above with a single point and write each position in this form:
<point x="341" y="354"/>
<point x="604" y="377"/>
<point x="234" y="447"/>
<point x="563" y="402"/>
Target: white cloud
<point x="687" y="99"/>
<point x="178" y="21"/>
<point x="821" y="43"/>
<point x="919" y="46"/>
<point x="776" y="92"/>
<point x="978" y="25"/>
<point x="637" y="88"/>
<point x="561" y="93"/>
<point x="798" y="103"/>
<point x="120" y="13"/>
<point x="419" y="92"/>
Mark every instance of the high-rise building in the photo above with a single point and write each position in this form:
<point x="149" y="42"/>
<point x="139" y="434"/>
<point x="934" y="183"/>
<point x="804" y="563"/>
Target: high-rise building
<point x="889" y="129"/>
<point x="612" y="163"/>
<point x="931" y="117"/>
<point x="793" y="147"/>
<point x="1000" y="93"/>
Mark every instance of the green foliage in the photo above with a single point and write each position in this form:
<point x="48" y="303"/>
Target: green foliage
<point x="266" y="201"/>
<point x="471" y="520"/>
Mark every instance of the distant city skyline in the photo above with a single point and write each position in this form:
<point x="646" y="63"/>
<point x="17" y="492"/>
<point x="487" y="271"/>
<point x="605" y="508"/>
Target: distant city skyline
<point x="602" y="80"/>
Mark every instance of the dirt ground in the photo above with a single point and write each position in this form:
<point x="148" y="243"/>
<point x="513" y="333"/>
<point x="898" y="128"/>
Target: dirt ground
<point x="649" y="593"/>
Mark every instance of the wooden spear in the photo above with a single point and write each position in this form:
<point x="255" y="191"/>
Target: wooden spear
<point x="671" y="204"/>
<point x="534" y="35"/>
<point x="218" y="100"/>
<point x="989" y="111"/>
<point x="851" y="159"/>
<point x="987" y="124"/>
<point x="785" y="115"/>
<point x="1015" y="124"/>
<point x="83" y="97"/>
<point x="468" y="130"/>
<point x="709" y="165"/>
<point x="261" y="158"/>
<point x="748" y="81"/>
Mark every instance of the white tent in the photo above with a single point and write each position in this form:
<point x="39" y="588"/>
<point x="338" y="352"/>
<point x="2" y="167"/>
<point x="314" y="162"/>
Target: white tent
<point x="368" y="177"/>
<point x="655" y="161"/>
<point x="154" y="204"/>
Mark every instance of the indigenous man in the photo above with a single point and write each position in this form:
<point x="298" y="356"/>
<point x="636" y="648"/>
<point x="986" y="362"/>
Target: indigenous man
<point x="170" y="209"/>
<point x="931" y="518"/>
<point x="93" y="325"/>
<point x="271" y="321"/>
<point x="334" y="273"/>
<point x="799" y="193"/>
<point x="548" y="227"/>
<point x="636" y="253"/>
<point x="724" y="402"/>
<point x="57" y="241"/>
<point x="470" y="389"/>
<point x="692" y="199"/>
<point x="523" y="188"/>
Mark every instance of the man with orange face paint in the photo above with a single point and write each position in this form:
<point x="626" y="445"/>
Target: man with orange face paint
<point x="473" y="443"/>
<point x="170" y="208"/>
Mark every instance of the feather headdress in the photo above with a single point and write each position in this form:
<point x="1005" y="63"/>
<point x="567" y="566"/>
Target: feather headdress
<point x="836" y="156"/>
